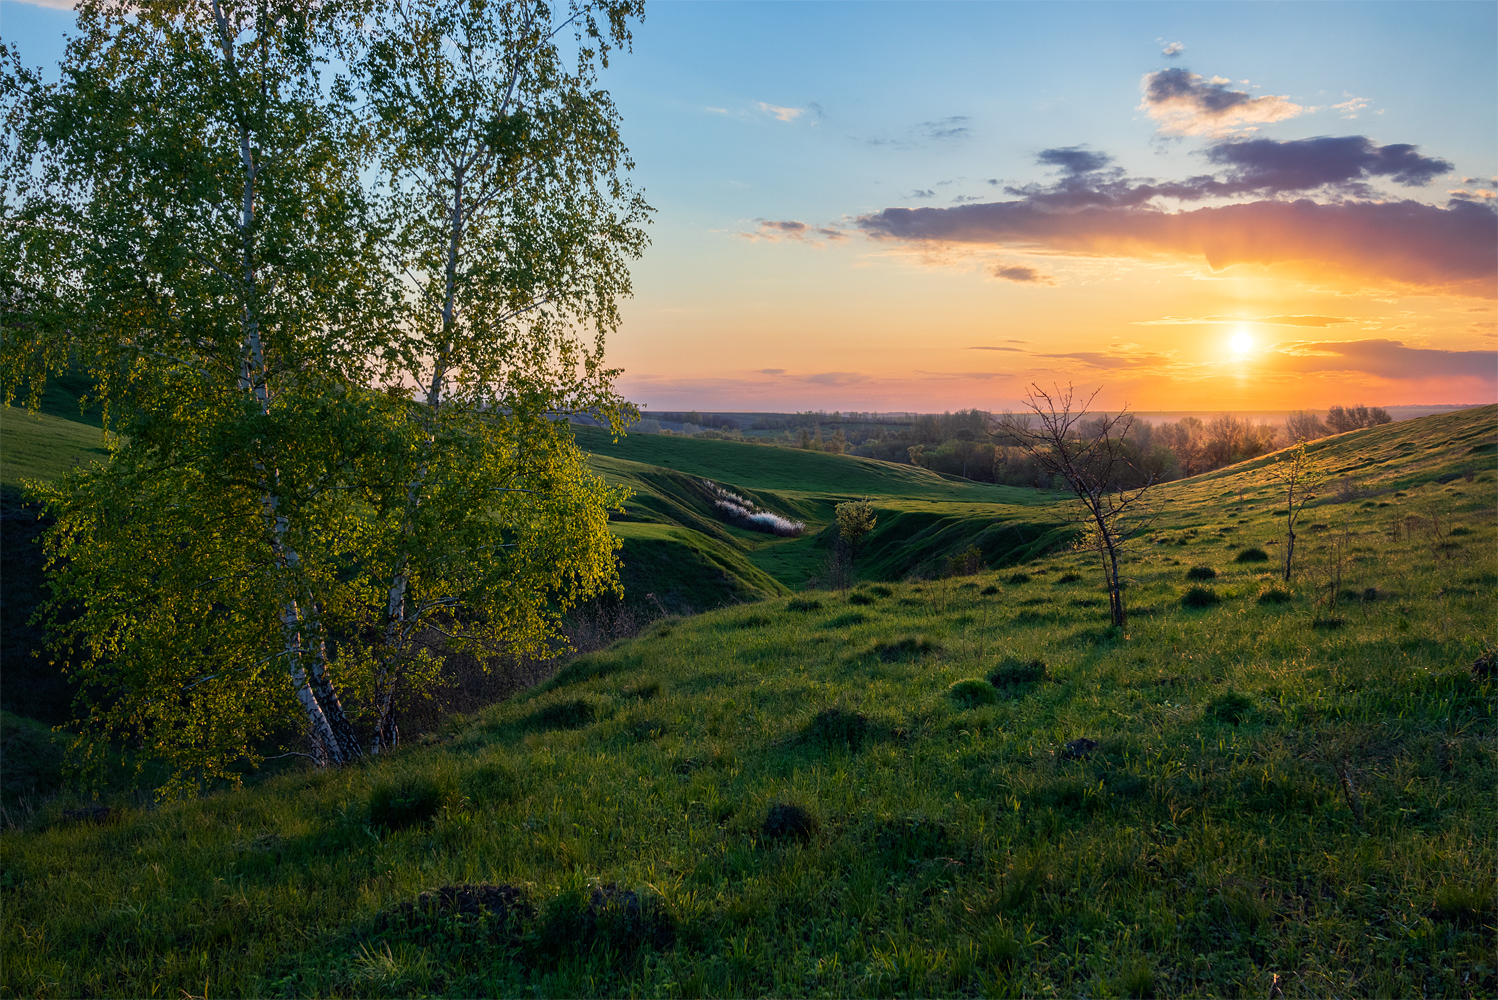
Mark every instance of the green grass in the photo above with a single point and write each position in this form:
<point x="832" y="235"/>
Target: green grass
<point x="44" y="446"/>
<point x="805" y="795"/>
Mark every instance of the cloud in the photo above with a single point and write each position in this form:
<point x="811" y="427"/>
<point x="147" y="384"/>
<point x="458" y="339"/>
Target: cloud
<point x="53" y="4"/>
<point x="784" y="114"/>
<point x="1015" y="349"/>
<point x="1184" y="103"/>
<point x="836" y="378"/>
<point x="772" y="371"/>
<point x="1319" y="321"/>
<point x="1100" y="359"/>
<point x="1384" y="358"/>
<point x="1350" y="107"/>
<point x="1024" y="275"/>
<point x="1092" y="208"/>
<point x="1172" y="50"/>
<point x="954" y="127"/>
<point x="776" y="230"/>
<point x="1267" y="165"/>
<point x="716" y="111"/>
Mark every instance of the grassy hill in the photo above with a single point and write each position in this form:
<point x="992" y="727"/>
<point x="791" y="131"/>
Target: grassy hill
<point x="968" y="785"/>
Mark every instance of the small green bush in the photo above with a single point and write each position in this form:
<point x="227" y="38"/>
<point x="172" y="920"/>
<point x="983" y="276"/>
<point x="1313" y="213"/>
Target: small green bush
<point x="881" y="591"/>
<point x="1252" y="555"/>
<point x="788" y="820"/>
<point x="1329" y="622"/>
<point x="1276" y="595"/>
<point x="971" y="693"/>
<point x="908" y="648"/>
<point x="1018" y="578"/>
<point x="405" y="803"/>
<point x="571" y="714"/>
<point x="803" y="604"/>
<point x="1067" y="578"/>
<point x="989" y="590"/>
<point x="1200" y="597"/>
<point x="859" y="597"/>
<point x="837" y="727"/>
<point x="1462" y="904"/>
<point x="1201" y="573"/>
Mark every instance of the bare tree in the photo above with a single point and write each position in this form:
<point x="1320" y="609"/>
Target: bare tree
<point x="1299" y="475"/>
<point x="1089" y="457"/>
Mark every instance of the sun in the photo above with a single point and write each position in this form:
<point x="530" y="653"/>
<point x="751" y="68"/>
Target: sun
<point x="1242" y="342"/>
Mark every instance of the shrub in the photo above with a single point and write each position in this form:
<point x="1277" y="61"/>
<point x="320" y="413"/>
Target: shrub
<point x="405" y="803"/>
<point x="788" y="820"/>
<point x="1276" y="595"/>
<point x="1201" y="573"/>
<point x="971" y="693"/>
<point x="989" y="590"/>
<point x="837" y="727"/>
<point x="881" y="591"/>
<point x="1200" y="597"/>
<point x="803" y="604"/>
<point x="571" y="714"/>
<point x="1252" y="555"/>
<point x="859" y="597"/>
<point x="1068" y="578"/>
<point x="964" y="563"/>
<point x="1012" y="672"/>
<point x="1018" y="578"/>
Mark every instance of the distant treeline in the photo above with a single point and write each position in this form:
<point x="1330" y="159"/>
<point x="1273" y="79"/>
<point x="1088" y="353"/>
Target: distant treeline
<point x="970" y="443"/>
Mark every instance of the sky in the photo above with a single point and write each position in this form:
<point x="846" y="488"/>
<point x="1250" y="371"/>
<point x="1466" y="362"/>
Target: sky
<point x="931" y="206"/>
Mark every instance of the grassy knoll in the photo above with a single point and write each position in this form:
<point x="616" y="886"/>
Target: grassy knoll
<point x="44" y="445"/>
<point x="969" y="785"/>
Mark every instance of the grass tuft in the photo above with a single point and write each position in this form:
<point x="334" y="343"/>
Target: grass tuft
<point x="906" y="649"/>
<point x="803" y="604"/>
<point x="787" y="820"/>
<point x="1200" y="597"/>
<point x="1015" y="579"/>
<point x="398" y="805"/>
<point x="1201" y="573"/>
<point x="1276" y="595"/>
<point x="1014" y="672"/>
<point x="1231" y="707"/>
<point x="1253" y="555"/>
<point x="971" y="693"/>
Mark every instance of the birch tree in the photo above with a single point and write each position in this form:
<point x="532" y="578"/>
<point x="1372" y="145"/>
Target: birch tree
<point x="1299" y="476"/>
<point x="513" y="225"/>
<point x="184" y="216"/>
<point x="1088" y="456"/>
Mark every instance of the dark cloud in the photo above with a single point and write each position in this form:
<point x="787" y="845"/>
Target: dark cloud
<point x="1024" y="275"/>
<point x="788" y="226"/>
<point x="1098" y="211"/>
<point x="928" y="193"/>
<point x="1384" y="358"/>
<point x="1074" y="159"/>
<point x="1267" y="165"/>
<point x="772" y="371"/>
<point x="1185" y="102"/>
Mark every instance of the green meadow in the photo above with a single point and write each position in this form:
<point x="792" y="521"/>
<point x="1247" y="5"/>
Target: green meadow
<point x="925" y="784"/>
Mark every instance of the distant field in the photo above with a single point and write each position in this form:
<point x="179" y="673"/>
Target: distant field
<point x="766" y="467"/>
<point x="966" y="786"/>
<point x="44" y="446"/>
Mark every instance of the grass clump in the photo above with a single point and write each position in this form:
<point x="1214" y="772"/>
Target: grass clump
<point x="787" y="820"/>
<point x="1201" y="573"/>
<point x="1231" y="707"/>
<point x="1200" y="597"/>
<point x="1015" y="579"/>
<point x="1463" y="904"/>
<point x="1276" y="595"/>
<point x="1328" y="622"/>
<point x="803" y="604"/>
<point x="571" y="713"/>
<point x="906" y="649"/>
<point x="860" y="597"/>
<point x="1068" y="578"/>
<point x="1015" y="672"/>
<point x="1252" y="555"/>
<point x="398" y="805"/>
<point x="833" y="728"/>
<point x="971" y="693"/>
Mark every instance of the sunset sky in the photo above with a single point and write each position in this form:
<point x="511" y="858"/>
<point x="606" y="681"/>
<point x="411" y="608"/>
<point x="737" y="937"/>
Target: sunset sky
<point x="928" y="206"/>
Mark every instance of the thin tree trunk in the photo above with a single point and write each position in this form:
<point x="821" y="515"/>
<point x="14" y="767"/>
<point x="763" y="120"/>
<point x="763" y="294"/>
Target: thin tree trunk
<point x="325" y="717"/>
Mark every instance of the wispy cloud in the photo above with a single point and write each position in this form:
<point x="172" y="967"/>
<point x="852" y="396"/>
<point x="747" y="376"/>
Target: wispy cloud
<point x="1015" y="349"/>
<point x="776" y="230"/>
<point x="1172" y="49"/>
<point x="1316" y="321"/>
<point x="1023" y="275"/>
<point x="1185" y="103"/>
<point x="1102" y="359"/>
<point x="784" y="114"/>
<point x="1350" y="107"/>
<point x="1385" y="358"/>
<point x="772" y="371"/>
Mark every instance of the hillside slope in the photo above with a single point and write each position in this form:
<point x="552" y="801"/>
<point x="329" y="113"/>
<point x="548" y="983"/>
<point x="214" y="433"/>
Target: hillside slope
<point x="961" y="786"/>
